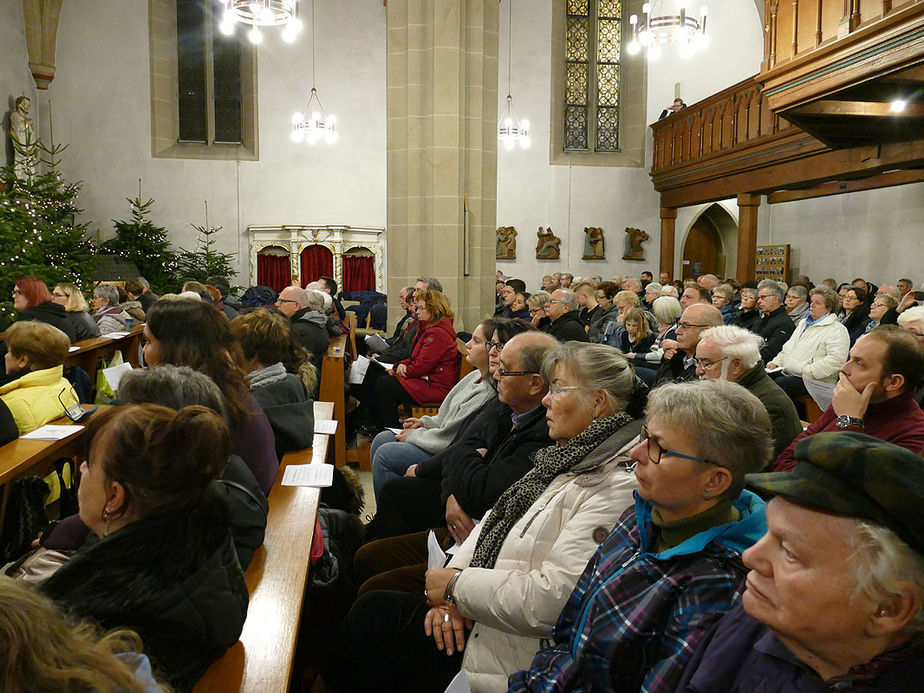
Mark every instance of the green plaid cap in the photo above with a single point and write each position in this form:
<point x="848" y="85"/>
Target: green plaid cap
<point x="857" y="475"/>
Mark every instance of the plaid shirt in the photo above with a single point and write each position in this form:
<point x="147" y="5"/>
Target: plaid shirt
<point x="635" y="617"/>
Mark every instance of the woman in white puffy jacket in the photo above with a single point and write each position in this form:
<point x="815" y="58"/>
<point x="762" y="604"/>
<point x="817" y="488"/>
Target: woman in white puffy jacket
<point x="500" y="595"/>
<point x="817" y="349"/>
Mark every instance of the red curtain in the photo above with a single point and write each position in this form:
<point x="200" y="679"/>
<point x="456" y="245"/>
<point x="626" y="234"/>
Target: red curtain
<point x="358" y="273"/>
<point x="273" y="271"/>
<point x="316" y="261"/>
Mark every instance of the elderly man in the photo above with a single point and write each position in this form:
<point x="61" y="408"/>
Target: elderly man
<point x="834" y="593"/>
<point x="874" y="393"/>
<point x="634" y="285"/>
<point x="774" y="327"/>
<point x="694" y="293"/>
<point x="904" y="285"/>
<point x="710" y="281"/>
<point x="305" y="310"/>
<point x="679" y="363"/>
<point x="733" y="353"/>
<point x="796" y="303"/>
<point x="562" y="310"/>
<point x="427" y="283"/>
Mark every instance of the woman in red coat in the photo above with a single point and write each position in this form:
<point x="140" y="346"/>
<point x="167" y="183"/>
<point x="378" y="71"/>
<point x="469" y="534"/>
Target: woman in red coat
<point x="433" y="367"/>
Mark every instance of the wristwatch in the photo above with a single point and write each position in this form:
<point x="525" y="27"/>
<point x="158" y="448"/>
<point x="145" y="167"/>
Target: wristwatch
<point x="845" y="421"/>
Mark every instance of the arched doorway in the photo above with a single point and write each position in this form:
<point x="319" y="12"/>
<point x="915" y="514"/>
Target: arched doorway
<point x="316" y="261"/>
<point x="711" y="244"/>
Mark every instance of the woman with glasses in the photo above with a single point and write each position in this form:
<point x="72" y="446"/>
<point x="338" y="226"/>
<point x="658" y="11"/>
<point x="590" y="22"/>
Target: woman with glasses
<point x="70" y="297"/>
<point x="854" y="313"/>
<point x="536" y="304"/>
<point x="605" y="293"/>
<point x="747" y="315"/>
<point x="501" y="593"/>
<point x="883" y="311"/>
<point x="672" y="565"/>
<point x="33" y="302"/>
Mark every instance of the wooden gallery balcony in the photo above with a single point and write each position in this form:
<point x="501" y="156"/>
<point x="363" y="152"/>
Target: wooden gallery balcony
<point x="817" y="120"/>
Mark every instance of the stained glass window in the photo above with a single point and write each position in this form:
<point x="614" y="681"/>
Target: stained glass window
<point x="593" y="43"/>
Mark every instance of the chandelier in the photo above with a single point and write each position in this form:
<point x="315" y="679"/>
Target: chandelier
<point x="659" y="28"/>
<point x="257" y="13"/>
<point x="510" y="129"/>
<point x="314" y="124"/>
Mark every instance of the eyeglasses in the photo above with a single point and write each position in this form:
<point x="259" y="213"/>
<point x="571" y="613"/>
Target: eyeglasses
<point x="881" y="305"/>
<point x="688" y="325"/>
<point x="553" y="301"/>
<point x="655" y="452"/>
<point x="494" y="345"/>
<point x="501" y="373"/>
<point x="285" y="300"/>
<point x="16" y="292"/>
<point x="708" y="364"/>
<point x="558" y="389"/>
<point x="762" y="296"/>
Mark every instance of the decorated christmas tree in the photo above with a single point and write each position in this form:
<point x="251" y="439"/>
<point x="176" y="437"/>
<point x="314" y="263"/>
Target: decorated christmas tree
<point x="39" y="234"/>
<point x="139" y="241"/>
<point x="204" y="262"/>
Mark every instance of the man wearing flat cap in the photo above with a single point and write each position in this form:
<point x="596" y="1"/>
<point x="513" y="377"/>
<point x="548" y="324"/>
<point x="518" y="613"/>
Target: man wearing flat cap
<point x="834" y="599"/>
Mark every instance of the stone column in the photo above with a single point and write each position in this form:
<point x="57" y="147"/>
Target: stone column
<point x="41" y="36"/>
<point x="442" y="150"/>
<point x="748" y="204"/>
<point x="668" y="220"/>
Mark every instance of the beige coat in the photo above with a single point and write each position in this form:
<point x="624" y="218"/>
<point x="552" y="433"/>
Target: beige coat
<point x="516" y="604"/>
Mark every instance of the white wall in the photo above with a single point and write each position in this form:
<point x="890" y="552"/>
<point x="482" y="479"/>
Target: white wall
<point x="101" y="108"/>
<point x="15" y="79"/>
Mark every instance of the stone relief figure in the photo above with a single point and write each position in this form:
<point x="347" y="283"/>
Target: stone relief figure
<point x="634" y="240"/>
<point x="21" y="134"/>
<point x="549" y="245"/>
<point x="594" y="248"/>
<point x="506" y="242"/>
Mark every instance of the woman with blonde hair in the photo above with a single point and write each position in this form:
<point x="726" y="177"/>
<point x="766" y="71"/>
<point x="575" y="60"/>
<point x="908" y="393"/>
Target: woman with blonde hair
<point x="41" y="652"/>
<point x="70" y="296"/>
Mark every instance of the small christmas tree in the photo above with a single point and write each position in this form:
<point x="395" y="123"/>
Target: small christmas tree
<point x="139" y="241"/>
<point x="204" y="262"/>
<point x="39" y="235"/>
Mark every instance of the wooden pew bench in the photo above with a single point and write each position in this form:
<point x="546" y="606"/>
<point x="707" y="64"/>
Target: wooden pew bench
<point x="277" y="579"/>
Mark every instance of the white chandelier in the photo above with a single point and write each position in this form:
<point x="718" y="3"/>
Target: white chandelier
<point x="314" y="125"/>
<point x="510" y="129"/>
<point x="659" y="28"/>
<point x="257" y="13"/>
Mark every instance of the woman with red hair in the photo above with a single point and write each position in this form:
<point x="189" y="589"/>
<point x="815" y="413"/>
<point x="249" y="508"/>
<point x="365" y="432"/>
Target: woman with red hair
<point x="34" y="302"/>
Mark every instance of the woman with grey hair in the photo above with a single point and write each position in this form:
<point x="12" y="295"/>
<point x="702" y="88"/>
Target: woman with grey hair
<point x="672" y="565"/>
<point x="667" y="311"/>
<point x="723" y="297"/>
<point x="536" y="304"/>
<point x="108" y="314"/>
<point x="500" y="595"/>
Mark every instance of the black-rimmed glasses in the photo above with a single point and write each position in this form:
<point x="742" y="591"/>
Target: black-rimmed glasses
<point x="656" y="452"/>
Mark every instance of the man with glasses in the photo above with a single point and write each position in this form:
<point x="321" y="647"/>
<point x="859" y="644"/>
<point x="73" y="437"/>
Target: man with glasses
<point x="732" y="353"/>
<point x="775" y="326"/>
<point x="305" y="310"/>
<point x="679" y="363"/>
<point x="565" y="324"/>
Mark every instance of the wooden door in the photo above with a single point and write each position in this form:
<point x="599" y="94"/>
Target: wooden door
<point x="702" y="250"/>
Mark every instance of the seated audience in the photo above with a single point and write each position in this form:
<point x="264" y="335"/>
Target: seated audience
<point x="670" y="290"/>
<point x="562" y="310"/>
<point x="139" y="290"/>
<point x="431" y="370"/>
<point x="835" y="591"/>
<point x="874" y="393"/>
<point x="723" y="297"/>
<point x="230" y="305"/>
<point x="667" y="311"/>
<point x="519" y="309"/>
<point x="32" y="300"/>
<point x="305" y="310"/>
<point x="391" y="454"/>
<point x="406" y="301"/>
<point x="107" y="312"/>
<point x="590" y="311"/>
<point x="508" y="297"/>
<point x="509" y="579"/>
<point x="748" y="314"/>
<point x="536" y="304"/>
<point x="733" y="353"/>
<point x="70" y="296"/>
<point x="679" y="362"/>
<point x="817" y="348"/>
<point x="266" y="340"/>
<point x="614" y="330"/>
<point x="130" y="305"/>
<point x="34" y="388"/>
<point x="190" y="333"/>
<point x="710" y="281"/>
<point x="672" y="565"/>
<point x="912" y="321"/>
<point x="607" y="313"/>
<point x="329" y="287"/>
<point x="637" y="337"/>
<point x="652" y="291"/>
<point x="855" y="312"/>
<point x="565" y="280"/>
<point x="42" y="651"/>
<point x="882" y="311"/>
<point x="694" y="293"/>
<point x="165" y="564"/>
<point x="796" y="303"/>
<point x="775" y="326"/>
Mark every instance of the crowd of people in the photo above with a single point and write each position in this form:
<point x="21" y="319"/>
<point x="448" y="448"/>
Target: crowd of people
<point x="619" y="495"/>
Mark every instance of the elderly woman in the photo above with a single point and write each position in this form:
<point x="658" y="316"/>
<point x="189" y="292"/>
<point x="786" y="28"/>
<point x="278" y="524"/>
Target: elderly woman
<point x="748" y="315"/>
<point x="32" y="300"/>
<point x="817" y="348"/>
<point x="191" y="333"/>
<point x="797" y="302"/>
<point x="855" y="312"/>
<point x="432" y="368"/>
<point x="107" y="312"/>
<point x="722" y="298"/>
<point x="164" y="564"/>
<point x="502" y="591"/>
<point x="606" y="292"/>
<point x="670" y="290"/>
<point x="34" y="388"/>
<point x="672" y="565"/>
<point x="667" y="311"/>
<point x="71" y="298"/>
<point x="536" y="304"/>
<point x="652" y="292"/>
<point x="882" y="311"/>
<point x="392" y="454"/>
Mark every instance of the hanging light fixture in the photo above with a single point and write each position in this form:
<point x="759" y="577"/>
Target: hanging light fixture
<point x="660" y="28"/>
<point x="510" y="129"/>
<point x="257" y="13"/>
<point x="314" y="124"/>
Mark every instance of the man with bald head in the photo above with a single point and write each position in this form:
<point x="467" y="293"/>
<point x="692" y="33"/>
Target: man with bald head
<point x="710" y="281"/>
<point x="305" y="310"/>
<point x="679" y="362"/>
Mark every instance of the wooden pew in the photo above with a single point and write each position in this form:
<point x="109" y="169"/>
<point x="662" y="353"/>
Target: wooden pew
<point x="331" y="390"/>
<point x="89" y="352"/>
<point x="261" y="662"/>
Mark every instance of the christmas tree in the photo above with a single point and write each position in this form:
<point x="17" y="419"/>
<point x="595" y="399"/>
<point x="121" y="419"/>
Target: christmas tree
<point x="204" y="262"/>
<point x="39" y="234"/>
<point x="139" y="241"/>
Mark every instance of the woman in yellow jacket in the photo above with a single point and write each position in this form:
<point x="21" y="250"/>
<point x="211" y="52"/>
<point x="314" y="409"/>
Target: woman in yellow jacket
<point x="34" y="388"/>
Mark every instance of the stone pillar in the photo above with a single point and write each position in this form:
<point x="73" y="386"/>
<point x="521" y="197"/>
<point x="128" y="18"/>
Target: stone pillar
<point x="748" y="204"/>
<point x="442" y="150"/>
<point x="668" y="219"/>
<point x="41" y="36"/>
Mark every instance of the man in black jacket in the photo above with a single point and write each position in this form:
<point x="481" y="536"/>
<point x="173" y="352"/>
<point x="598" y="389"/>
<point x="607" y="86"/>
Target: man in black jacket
<point x="562" y="310"/>
<point x="305" y="310"/>
<point x="775" y="325"/>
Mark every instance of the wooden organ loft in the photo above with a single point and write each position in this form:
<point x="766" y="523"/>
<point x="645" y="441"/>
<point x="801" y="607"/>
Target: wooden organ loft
<point x="817" y="120"/>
